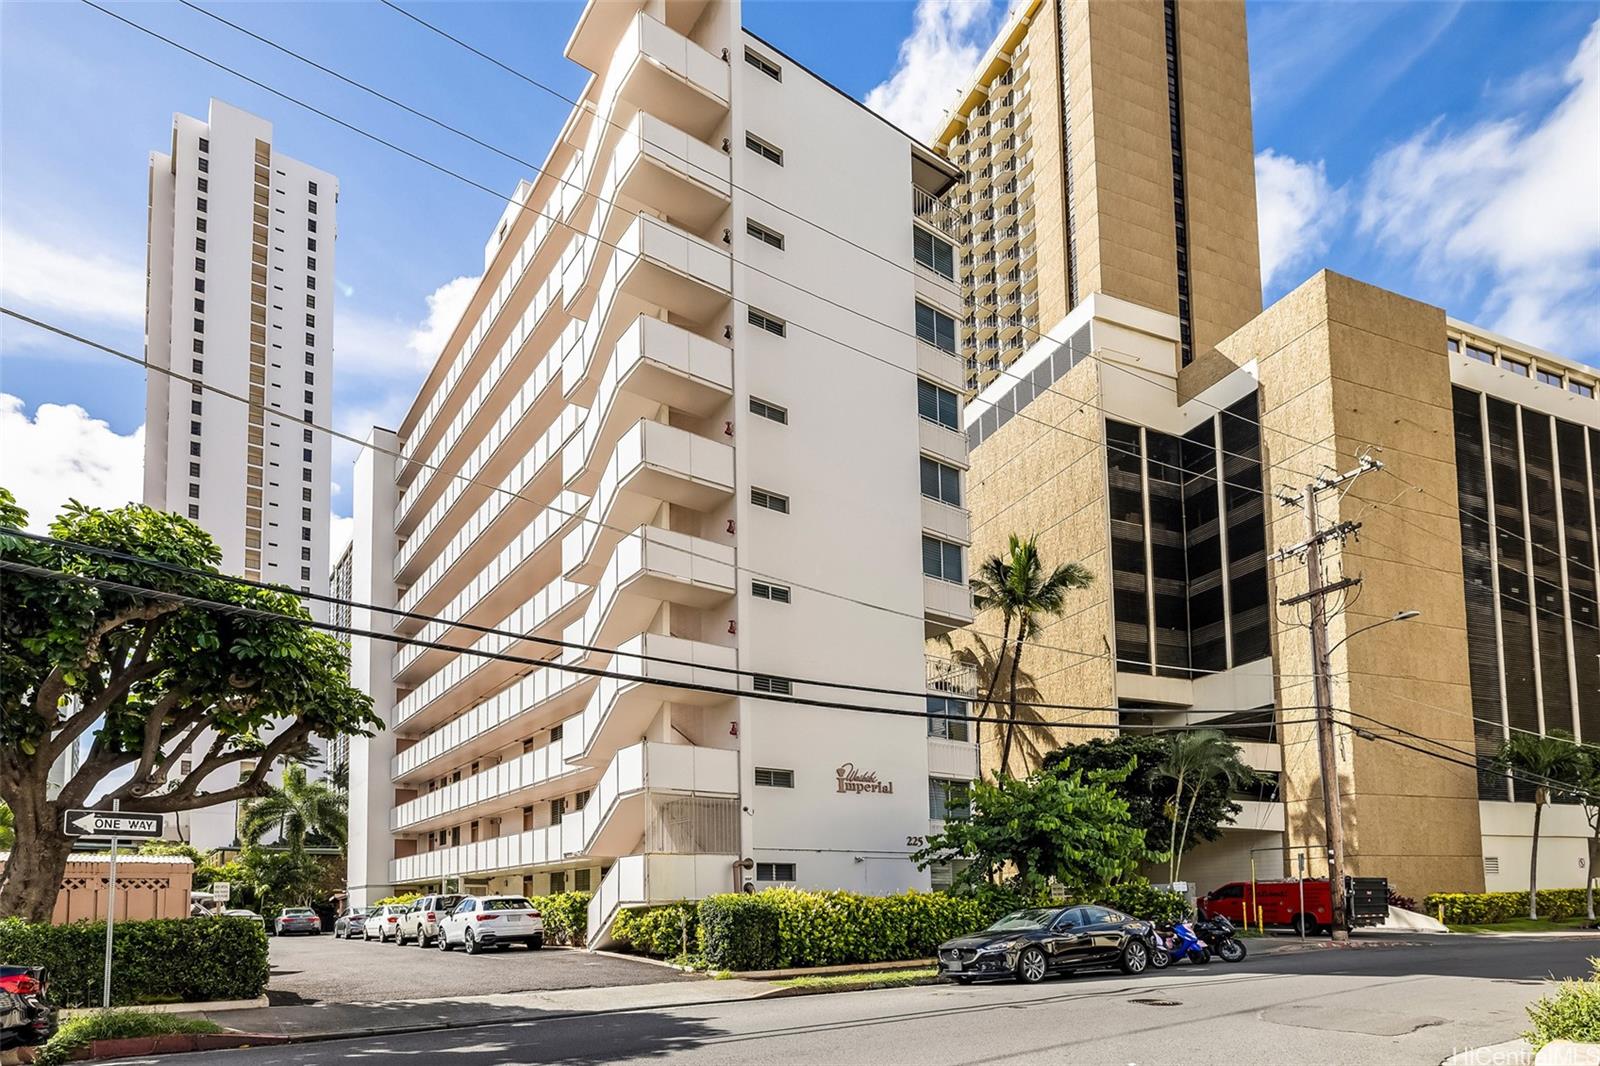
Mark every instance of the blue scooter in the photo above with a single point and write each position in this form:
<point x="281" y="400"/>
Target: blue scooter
<point x="1178" y="943"/>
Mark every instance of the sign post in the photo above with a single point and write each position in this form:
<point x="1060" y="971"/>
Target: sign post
<point x="116" y="825"/>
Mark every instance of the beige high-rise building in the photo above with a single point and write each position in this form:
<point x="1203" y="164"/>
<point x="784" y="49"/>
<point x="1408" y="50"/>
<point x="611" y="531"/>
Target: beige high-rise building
<point x="1106" y="148"/>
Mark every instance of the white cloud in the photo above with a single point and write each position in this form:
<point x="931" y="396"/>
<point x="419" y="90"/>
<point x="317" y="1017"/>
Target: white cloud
<point x="68" y="278"/>
<point x="60" y="454"/>
<point x="1296" y="210"/>
<point x="948" y="37"/>
<point x="340" y="529"/>
<point x="445" y="305"/>
<point x="1512" y="204"/>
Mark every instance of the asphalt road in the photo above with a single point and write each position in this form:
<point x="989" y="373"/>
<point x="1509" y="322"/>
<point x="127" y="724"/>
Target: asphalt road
<point x="320" y="969"/>
<point x="1367" y="1006"/>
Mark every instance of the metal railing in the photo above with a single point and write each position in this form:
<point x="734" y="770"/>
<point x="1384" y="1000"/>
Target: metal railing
<point x="935" y="211"/>
<point x="951" y="678"/>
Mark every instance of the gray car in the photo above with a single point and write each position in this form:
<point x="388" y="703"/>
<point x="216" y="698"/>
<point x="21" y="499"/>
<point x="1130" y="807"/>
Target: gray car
<point x="349" y="924"/>
<point x="297" y="920"/>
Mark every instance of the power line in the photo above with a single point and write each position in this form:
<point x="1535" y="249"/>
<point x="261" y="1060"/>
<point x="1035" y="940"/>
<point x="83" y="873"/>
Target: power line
<point x="224" y="607"/>
<point x="145" y="561"/>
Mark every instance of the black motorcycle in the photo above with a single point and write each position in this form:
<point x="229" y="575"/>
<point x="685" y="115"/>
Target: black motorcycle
<point x="26" y="1017"/>
<point x="1222" y="937"/>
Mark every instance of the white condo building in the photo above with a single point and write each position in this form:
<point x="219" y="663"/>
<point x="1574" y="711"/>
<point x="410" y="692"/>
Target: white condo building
<point x="687" y="426"/>
<point x="240" y="296"/>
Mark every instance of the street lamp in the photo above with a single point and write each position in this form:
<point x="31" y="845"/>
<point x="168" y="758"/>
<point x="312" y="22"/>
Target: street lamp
<point x="1398" y="616"/>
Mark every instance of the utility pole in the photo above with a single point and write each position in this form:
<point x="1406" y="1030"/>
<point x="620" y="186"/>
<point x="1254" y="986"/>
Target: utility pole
<point x="1316" y="595"/>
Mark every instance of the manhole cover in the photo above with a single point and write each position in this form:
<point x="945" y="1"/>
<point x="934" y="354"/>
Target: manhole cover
<point x="1157" y="1002"/>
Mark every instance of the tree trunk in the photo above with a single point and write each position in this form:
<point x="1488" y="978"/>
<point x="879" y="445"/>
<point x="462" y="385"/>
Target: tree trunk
<point x="1533" y="858"/>
<point x="1194" y="796"/>
<point x="1172" y="847"/>
<point x="988" y="696"/>
<point x="1588" y="880"/>
<point x="1011" y="726"/>
<point x="37" y="863"/>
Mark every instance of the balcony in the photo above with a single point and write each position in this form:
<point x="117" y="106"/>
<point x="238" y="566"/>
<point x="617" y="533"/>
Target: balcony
<point x="649" y="567"/>
<point x="614" y="820"/>
<point x="938" y="365"/>
<point x="950" y="678"/>
<point x="952" y="758"/>
<point x="942" y="443"/>
<point x="946" y="605"/>
<point x="510" y="784"/>
<point x="654" y="364"/>
<point x="687" y="84"/>
<point x="620" y="710"/>
<point x="937" y="212"/>
<point x="656" y="266"/>
<point x="946" y="522"/>
<point x="652" y="463"/>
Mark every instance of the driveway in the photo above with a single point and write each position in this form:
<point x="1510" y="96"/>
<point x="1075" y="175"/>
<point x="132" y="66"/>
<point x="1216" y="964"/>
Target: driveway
<point x="320" y="969"/>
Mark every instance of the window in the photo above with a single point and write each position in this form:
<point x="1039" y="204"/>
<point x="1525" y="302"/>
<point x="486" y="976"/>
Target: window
<point x="936" y="404"/>
<point x="761" y="590"/>
<point x="311" y="244"/>
<point x="941" y="482"/>
<point x="199" y="265"/>
<point x="305" y="573"/>
<point x="194" y="447"/>
<point x="1480" y="354"/>
<point x="558" y="882"/>
<point x="194" y="407"/>
<point x="305" y="475"/>
<point x="194" y="469"/>
<point x="311" y="283"/>
<point x="199" y="346"/>
<point x="936" y="328"/>
<point x="203" y="185"/>
<point x="311" y="359"/>
<point x="767" y="151"/>
<point x="770" y="778"/>
<point x="935" y="253"/>
<point x="200" y="246"/>
<point x="942" y="560"/>
<point x="1519" y="369"/>
<point x="305" y="555"/>
<point x="1581" y="389"/>
<point x="205" y="145"/>
<point x="311" y="262"/>
<point x="311" y="379"/>
<point x="199" y="325"/>
<point x="948" y="801"/>
<point x="769" y="410"/>
<point x="767" y="683"/>
<point x="762" y="233"/>
<point x="199" y="284"/>
<point x="558" y="810"/>
<point x="199" y="305"/>
<point x="311" y="225"/>
<point x="200" y="203"/>
<point x="311" y="188"/>
<point x="194" y="491"/>
<point x="557" y="731"/>
<point x="772" y="501"/>
<point x="764" y="65"/>
<point x="305" y="494"/>
<point x="200" y="224"/>
<point x="305" y="514"/>
<point x="311" y="302"/>
<point x="311" y="207"/>
<point x="1549" y="377"/>
<point x="311" y="339"/>
<point x="194" y="510"/>
<point x="940" y="722"/>
<point x="581" y="880"/>
<point x="765" y="321"/>
<point x="305" y="435"/>
<point x="205" y="165"/>
<point x="194" y="427"/>
<point x="311" y="322"/>
<point x="775" y="871"/>
<point x="1452" y="345"/>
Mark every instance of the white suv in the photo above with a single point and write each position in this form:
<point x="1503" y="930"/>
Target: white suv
<point x="480" y="922"/>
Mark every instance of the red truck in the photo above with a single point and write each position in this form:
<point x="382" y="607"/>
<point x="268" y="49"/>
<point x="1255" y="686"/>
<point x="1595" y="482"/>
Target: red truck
<point x="1302" y="906"/>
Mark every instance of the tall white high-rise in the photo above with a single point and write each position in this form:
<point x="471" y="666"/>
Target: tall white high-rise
<point x="240" y="295"/>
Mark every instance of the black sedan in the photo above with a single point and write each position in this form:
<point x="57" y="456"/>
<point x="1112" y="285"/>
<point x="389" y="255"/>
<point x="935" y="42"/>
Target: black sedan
<point x="1031" y="944"/>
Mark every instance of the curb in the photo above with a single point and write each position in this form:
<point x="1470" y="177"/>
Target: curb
<point x="869" y="986"/>
<point x="67" y="1013"/>
<point x="819" y="971"/>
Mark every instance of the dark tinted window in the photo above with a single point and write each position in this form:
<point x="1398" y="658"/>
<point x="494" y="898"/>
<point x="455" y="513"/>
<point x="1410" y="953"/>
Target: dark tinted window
<point x="510" y="903"/>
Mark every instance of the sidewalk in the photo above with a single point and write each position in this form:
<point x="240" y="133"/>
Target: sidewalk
<point x="328" y="1021"/>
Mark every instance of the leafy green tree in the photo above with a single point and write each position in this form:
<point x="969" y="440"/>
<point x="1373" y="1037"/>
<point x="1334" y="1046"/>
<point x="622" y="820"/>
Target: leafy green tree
<point x="1148" y="790"/>
<point x="298" y="809"/>
<point x="1549" y="763"/>
<point x="96" y="645"/>
<point x="1585" y="776"/>
<point x="8" y="828"/>
<point x="1195" y="759"/>
<point x="1061" y="825"/>
<point x="173" y="847"/>
<point x="1024" y="592"/>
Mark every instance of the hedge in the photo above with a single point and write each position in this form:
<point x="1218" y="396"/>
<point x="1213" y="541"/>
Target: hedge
<point x="1487" y="908"/>
<point x="402" y="900"/>
<point x="162" y="960"/>
<point x="566" y="917"/>
<point x="78" y="1034"/>
<point x="1572" y="1012"/>
<point x="664" y="932"/>
<point x="739" y="932"/>
<point x="1143" y="900"/>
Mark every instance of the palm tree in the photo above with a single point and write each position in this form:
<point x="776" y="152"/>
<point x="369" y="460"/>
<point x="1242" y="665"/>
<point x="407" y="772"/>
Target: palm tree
<point x="1035" y="739"/>
<point x="296" y="809"/>
<point x="1548" y="762"/>
<point x="1018" y="586"/>
<point x="1194" y="759"/>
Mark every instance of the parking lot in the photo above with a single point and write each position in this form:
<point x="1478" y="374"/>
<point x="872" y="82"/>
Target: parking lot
<point x="309" y="969"/>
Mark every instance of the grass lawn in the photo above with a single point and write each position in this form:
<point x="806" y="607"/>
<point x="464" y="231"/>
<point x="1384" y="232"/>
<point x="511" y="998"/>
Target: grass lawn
<point x="842" y="982"/>
<point x="1524" y="925"/>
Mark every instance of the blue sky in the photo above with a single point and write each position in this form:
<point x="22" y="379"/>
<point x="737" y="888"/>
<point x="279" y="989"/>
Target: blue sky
<point x="1450" y="151"/>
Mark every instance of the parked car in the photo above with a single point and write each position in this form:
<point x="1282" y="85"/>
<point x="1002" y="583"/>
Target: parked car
<point x="349" y="924"/>
<point x="252" y="915"/>
<point x="491" y="921"/>
<point x="382" y="922"/>
<point x="26" y="1017"/>
<point x="1303" y="906"/>
<point x="297" y="920"/>
<point x="1033" y="943"/>
<point x="421" y="921"/>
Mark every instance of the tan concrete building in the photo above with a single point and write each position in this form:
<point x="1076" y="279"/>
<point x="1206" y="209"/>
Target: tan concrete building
<point x="1106" y="147"/>
<point x="1156" y="427"/>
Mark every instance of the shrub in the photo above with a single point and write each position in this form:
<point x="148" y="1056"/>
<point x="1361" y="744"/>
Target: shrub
<point x="566" y="917"/>
<point x="1405" y="903"/>
<point x="786" y="927"/>
<point x="403" y="899"/>
<point x="665" y="932"/>
<point x="1488" y="908"/>
<point x="84" y="1030"/>
<point x="1572" y="1012"/>
<point x="1143" y="900"/>
<point x="739" y="932"/>
<point x="163" y="960"/>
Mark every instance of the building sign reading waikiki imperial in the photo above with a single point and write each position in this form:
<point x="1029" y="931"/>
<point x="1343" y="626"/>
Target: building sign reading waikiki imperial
<point x="852" y="780"/>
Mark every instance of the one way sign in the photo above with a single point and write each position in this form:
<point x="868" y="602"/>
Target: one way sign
<point x="79" y="823"/>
